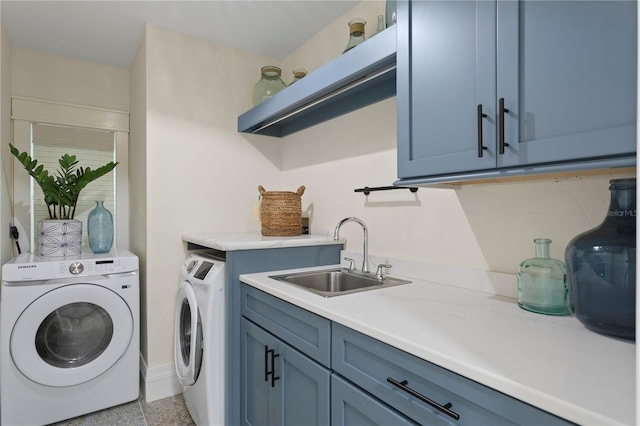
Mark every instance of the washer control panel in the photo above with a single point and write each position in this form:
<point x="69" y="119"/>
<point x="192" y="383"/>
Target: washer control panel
<point x="202" y="268"/>
<point x="36" y="268"/>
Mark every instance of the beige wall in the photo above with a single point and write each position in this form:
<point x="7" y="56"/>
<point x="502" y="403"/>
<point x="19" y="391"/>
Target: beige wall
<point x="201" y="175"/>
<point x="57" y="78"/>
<point x="138" y="176"/>
<point x="6" y="176"/>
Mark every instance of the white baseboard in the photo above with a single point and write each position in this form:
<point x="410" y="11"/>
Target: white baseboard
<point x="159" y="382"/>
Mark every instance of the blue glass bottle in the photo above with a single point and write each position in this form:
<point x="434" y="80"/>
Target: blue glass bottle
<point x="100" y="228"/>
<point x="602" y="267"/>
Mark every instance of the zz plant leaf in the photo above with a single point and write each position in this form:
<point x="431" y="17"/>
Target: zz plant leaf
<point x="62" y="189"/>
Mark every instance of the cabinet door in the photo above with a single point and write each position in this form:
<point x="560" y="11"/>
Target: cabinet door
<point x="350" y="406"/>
<point x="304" y="394"/>
<point x="279" y="385"/>
<point x="260" y="260"/>
<point x="446" y="68"/>
<point x="257" y="401"/>
<point x="567" y="73"/>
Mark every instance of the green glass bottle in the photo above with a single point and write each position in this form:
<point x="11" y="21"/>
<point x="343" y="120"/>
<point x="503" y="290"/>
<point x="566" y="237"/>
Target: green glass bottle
<point x="269" y="84"/>
<point x="380" y="28"/>
<point x="542" y="283"/>
<point x="298" y="74"/>
<point x="356" y="33"/>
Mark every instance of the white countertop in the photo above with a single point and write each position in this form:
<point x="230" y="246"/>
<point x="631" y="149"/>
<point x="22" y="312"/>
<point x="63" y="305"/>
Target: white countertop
<point x="553" y="363"/>
<point x="252" y="240"/>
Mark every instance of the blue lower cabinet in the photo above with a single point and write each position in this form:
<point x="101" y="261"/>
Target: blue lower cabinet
<point x="279" y="385"/>
<point x="251" y="261"/>
<point x="287" y="379"/>
<point x="350" y="406"/>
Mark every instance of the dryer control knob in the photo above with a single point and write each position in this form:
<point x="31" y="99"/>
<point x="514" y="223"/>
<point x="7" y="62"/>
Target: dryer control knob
<point x="76" y="268"/>
<point x="191" y="265"/>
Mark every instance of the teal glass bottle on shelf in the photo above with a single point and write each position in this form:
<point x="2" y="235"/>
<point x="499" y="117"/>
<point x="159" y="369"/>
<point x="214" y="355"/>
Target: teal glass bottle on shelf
<point x="542" y="283"/>
<point x="100" y="229"/>
<point x="269" y="84"/>
<point x="356" y="33"/>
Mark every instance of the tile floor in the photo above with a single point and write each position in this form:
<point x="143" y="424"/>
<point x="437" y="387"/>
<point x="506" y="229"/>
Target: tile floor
<point x="164" y="412"/>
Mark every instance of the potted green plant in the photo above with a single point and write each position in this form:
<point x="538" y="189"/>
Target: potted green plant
<point x="61" y="234"/>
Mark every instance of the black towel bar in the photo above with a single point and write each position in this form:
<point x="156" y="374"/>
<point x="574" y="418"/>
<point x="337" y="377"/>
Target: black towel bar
<point x="368" y="190"/>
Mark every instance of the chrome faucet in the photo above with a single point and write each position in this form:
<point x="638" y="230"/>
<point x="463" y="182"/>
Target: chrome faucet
<point x="365" y="254"/>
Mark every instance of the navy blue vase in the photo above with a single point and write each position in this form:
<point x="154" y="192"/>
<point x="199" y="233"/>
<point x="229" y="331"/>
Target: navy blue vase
<point x="100" y="229"/>
<point x="601" y="267"/>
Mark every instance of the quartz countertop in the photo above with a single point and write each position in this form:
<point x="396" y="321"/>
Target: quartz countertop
<point x="251" y="240"/>
<point x="553" y="363"/>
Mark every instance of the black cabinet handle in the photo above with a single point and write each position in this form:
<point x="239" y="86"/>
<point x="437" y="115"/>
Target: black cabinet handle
<point x="481" y="147"/>
<point x="501" y="111"/>
<point x="442" y="408"/>
<point x="273" y="368"/>
<point x="270" y="355"/>
<point x="266" y="363"/>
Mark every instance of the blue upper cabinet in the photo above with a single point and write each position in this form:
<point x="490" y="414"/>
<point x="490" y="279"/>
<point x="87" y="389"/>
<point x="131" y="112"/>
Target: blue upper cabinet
<point x="497" y="88"/>
<point x="446" y="67"/>
<point x="362" y="76"/>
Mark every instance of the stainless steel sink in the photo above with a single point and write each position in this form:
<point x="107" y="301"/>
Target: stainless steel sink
<point x="335" y="282"/>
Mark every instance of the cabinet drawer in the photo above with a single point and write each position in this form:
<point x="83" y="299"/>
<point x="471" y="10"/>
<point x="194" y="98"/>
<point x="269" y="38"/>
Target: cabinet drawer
<point x="305" y="331"/>
<point x="371" y="364"/>
<point x="351" y="406"/>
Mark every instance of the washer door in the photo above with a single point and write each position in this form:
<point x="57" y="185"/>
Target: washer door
<point x="188" y="336"/>
<point x="71" y="335"/>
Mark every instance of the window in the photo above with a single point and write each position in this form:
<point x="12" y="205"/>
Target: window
<point x="93" y="148"/>
<point x="47" y="130"/>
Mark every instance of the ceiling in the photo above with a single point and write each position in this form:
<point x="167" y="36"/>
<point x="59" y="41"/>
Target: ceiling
<point x="109" y="32"/>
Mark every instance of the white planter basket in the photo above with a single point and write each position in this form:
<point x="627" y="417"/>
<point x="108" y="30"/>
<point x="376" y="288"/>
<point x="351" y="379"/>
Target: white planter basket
<point x="59" y="238"/>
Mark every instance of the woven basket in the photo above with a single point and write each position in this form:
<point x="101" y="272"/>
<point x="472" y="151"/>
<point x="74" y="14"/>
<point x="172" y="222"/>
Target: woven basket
<point x="281" y="212"/>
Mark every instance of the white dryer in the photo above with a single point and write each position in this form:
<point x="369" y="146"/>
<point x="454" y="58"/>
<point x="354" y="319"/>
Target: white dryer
<point x="200" y="338"/>
<point x="69" y="336"/>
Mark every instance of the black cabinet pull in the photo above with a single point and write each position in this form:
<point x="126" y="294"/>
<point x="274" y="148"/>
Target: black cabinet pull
<point x="501" y="111"/>
<point x="481" y="147"/>
<point x="273" y="368"/>
<point x="266" y="363"/>
<point x="270" y="355"/>
<point x="442" y="408"/>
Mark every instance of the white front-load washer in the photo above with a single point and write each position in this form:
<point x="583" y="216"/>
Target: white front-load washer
<point x="200" y="338"/>
<point x="69" y="336"/>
